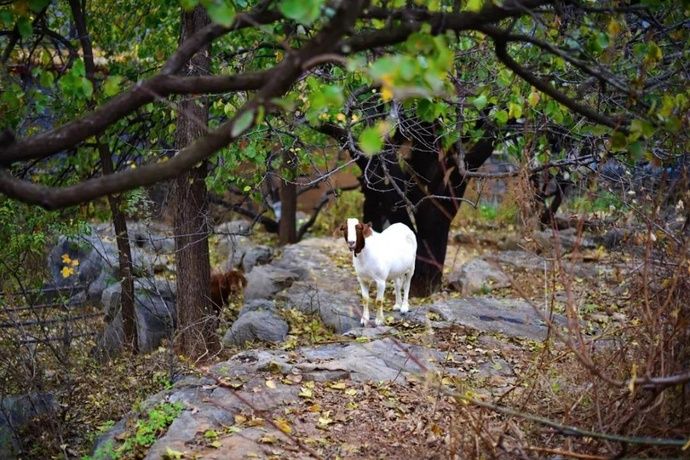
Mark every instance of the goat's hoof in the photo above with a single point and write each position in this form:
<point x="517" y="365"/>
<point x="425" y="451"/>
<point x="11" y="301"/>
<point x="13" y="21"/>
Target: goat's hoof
<point x="404" y="309"/>
<point x="364" y="321"/>
<point x="379" y="321"/>
<point x="396" y="307"/>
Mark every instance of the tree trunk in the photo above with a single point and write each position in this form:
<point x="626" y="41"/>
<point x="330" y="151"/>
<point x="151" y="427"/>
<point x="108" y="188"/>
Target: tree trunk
<point x="124" y="252"/>
<point x="287" y="228"/>
<point x="125" y="271"/>
<point x="433" y="186"/>
<point x="196" y="320"/>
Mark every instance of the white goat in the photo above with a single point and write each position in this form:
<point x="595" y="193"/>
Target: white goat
<point x="378" y="257"/>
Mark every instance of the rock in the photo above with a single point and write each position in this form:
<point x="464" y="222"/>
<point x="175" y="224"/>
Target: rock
<point x="258" y="305"/>
<point x="92" y="254"/>
<point x="257" y="255"/>
<point x="477" y="275"/>
<point x="512" y="317"/>
<point x="15" y="413"/>
<point x="264" y="281"/>
<point x="154" y="308"/>
<point x="522" y="260"/>
<point x="97" y="286"/>
<point x="567" y="239"/>
<point x="256" y="326"/>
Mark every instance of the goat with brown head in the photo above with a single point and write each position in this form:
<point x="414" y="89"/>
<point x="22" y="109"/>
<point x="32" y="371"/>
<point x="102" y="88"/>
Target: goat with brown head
<point x="225" y="286"/>
<point x="355" y="234"/>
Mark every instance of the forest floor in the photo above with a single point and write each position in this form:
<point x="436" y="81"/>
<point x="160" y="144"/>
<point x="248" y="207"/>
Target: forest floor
<point x="431" y="384"/>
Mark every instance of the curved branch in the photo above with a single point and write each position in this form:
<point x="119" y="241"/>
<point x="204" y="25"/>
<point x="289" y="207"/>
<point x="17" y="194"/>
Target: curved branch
<point x="501" y="49"/>
<point x="51" y="142"/>
<point x="278" y="81"/>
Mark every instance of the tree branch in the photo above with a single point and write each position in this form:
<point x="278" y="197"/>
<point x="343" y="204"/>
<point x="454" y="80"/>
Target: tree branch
<point x="278" y="81"/>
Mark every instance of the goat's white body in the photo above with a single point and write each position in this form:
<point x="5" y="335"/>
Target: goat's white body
<point x="390" y="254"/>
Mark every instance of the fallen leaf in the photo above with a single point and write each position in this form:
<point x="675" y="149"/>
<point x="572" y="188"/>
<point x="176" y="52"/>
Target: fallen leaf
<point x="283" y="425"/>
<point x="271" y="384"/>
<point x="338" y="385"/>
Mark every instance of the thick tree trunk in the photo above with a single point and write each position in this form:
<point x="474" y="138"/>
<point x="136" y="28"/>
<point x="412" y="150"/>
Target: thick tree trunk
<point x="287" y="229"/>
<point x="124" y="251"/>
<point x="125" y="271"/>
<point x="196" y="320"/>
<point x="431" y="183"/>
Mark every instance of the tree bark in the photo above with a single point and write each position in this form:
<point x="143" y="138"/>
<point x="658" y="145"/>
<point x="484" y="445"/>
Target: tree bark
<point x="125" y="270"/>
<point x="196" y="319"/>
<point x="433" y="189"/>
<point x="287" y="227"/>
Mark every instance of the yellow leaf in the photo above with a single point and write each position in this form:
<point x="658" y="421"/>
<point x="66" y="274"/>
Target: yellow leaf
<point x="325" y="420"/>
<point x="338" y="385"/>
<point x="172" y="454"/>
<point x="613" y="28"/>
<point x="283" y="425"/>
<point x="240" y="419"/>
<point x="74" y="262"/>
<point x="268" y="439"/>
<point x="306" y="392"/>
<point x="314" y="408"/>
<point x="271" y="384"/>
<point x="350" y="392"/>
<point x="215" y="444"/>
<point x="66" y="259"/>
<point x="533" y="98"/>
<point x="67" y="272"/>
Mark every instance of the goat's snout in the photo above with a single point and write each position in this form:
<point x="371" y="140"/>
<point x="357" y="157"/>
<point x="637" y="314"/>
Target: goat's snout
<point x="351" y="245"/>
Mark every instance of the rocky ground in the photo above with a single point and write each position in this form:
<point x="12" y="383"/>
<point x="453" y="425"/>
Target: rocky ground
<point x="372" y="392"/>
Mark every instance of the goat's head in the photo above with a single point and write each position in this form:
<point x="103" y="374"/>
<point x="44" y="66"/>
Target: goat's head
<point x="355" y="233"/>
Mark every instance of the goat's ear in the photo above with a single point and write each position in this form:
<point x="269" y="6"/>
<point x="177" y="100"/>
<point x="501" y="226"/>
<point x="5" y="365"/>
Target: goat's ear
<point x="366" y="229"/>
<point x="340" y="231"/>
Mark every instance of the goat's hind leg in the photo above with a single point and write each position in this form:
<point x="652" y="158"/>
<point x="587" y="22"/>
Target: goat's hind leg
<point x="398" y="284"/>
<point x="406" y="294"/>
<point x="380" y="289"/>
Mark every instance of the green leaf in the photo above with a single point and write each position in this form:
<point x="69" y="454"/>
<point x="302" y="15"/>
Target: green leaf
<point x="46" y="79"/>
<point x="480" y="101"/>
<point x="501" y="117"/>
<point x="242" y="123"/>
<point x="371" y="140"/>
<point x="111" y="86"/>
<point x="221" y="12"/>
<point x="618" y="141"/>
<point x="86" y="87"/>
<point x="636" y="150"/>
<point x="302" y="11"/>
<point x="24" y="27"/>
<point x="38" y="5"/>
<point x="474" y="5"/>
<point x="188" y="4"/>
<point x="78" y="68"/>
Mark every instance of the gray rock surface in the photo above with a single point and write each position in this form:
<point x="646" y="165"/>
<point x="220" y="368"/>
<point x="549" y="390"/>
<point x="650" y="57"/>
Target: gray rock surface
<point x="154" y="308"/>
<point x="15" y="413"/>
<point x="265" y="281"/>
<point x="512" y="317"/>
<point x="476" y="276"/>
<point x="256" y="326"/>
<point x="256" y="255"/>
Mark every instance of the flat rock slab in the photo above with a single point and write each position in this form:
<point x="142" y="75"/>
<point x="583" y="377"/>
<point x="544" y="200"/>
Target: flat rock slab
<point x="512" y="317"/>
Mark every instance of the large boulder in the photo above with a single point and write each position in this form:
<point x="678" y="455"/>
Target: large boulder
<point x="265" y="281"/>
<point x="567" y="240"/>
<point x="232" y="241"/>
<point x="15" y="413"/>
<point x="256" y="255"/>
<point x="477" y="275"/>
<point x="256" y="326"/>
<point x="154" y="309"/>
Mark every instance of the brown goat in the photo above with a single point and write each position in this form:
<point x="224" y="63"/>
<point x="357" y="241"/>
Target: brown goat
<point x="224" y="286"/>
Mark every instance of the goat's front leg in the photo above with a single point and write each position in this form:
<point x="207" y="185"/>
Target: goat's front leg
<point x="380" y="289"/>
<point x="364" y="286"/>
